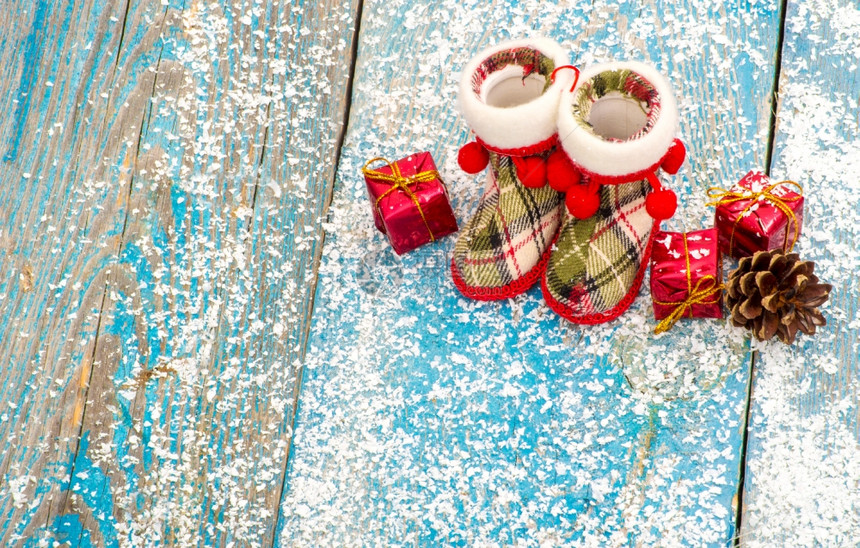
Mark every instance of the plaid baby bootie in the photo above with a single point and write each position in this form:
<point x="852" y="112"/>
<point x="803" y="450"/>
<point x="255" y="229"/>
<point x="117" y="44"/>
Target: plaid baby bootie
<point x="509" y="96"/>
<point x="618" y="128"/>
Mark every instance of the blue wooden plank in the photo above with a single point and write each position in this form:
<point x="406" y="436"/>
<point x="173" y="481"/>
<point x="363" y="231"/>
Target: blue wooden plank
<point x="803" y="471"/>
<point x="429" y="419"/>
<point x="32" y="53"/>
<point x="53" y="237"/>
<point x="183" y="188"/>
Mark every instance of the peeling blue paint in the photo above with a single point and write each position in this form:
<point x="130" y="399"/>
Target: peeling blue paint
<point x="93" y="486"/>
<point x="32" y="58"/>
<point x="70" y="529"/>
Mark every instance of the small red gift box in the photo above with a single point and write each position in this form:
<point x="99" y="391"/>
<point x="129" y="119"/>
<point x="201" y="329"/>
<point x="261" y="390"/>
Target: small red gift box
<point x="410" y="201"/>
<point x="757" y="215"/>
<point x="685" y="276"/>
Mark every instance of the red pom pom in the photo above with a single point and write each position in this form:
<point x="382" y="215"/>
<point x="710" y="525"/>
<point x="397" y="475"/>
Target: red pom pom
<point x="582" y="202"/>
<point x="674" y="158"/>
<point x="531" y="171"/>
<point x="560" y="171"/>
<point x="473" y="158"/>
<point x="661" y="204"/>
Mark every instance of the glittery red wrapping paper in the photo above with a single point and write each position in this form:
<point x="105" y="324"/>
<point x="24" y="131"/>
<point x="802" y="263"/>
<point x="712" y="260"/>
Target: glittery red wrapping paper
<point x="669" y="271"/>
<point x="397" y="216"/>
<point x="764" y="226"/>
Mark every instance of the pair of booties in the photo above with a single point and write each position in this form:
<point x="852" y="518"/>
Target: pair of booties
<point x="572" y="196"/>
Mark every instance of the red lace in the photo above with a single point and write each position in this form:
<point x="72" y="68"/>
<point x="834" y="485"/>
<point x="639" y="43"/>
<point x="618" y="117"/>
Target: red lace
<point x="531" y="150"/>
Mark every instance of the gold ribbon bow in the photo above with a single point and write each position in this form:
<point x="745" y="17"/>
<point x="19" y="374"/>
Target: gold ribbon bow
<point x="401" y="183"/>
<point x="707" y="291"/>
<point x="721" y="196"/>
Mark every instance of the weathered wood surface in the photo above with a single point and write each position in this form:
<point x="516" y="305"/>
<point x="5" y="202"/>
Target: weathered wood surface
<point x="163" y="172"/>
<point x="164" y="169"/>
<point x="428" y="419"/>
<point x="803" y="467"/>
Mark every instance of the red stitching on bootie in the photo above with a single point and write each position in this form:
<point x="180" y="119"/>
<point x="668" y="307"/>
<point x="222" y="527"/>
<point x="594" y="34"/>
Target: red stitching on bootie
<point x="517" y="287"/>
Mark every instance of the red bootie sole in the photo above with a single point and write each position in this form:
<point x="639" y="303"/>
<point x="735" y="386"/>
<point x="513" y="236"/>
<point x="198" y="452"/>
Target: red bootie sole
<point x="517" y="287"/>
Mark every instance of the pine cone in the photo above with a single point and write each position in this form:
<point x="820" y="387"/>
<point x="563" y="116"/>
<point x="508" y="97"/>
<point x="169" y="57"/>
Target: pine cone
<point x="772" y="293"/>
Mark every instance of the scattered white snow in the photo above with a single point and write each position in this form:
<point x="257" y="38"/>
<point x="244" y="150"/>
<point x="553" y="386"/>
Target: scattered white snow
<point x="804" y="456"/>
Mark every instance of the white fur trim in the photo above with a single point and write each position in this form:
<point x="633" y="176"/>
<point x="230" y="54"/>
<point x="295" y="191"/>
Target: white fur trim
<point x="609" y="158"/>
<point x="522" y="125"/>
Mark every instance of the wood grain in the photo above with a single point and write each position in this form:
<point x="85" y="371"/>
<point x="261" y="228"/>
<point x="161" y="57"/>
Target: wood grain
<point x="428" y="419"/>
<point x="60" y="217"/>
<point x="802" y="483"/>
<point x="155" y="295"/>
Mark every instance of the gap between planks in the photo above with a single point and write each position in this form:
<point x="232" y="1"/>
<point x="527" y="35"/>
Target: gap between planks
<point x="771" y="143"/>
<point x="341" y="136"/>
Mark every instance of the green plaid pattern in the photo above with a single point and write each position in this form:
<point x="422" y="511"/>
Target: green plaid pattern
<point x="597" y="260"/>
<point x="530" y="59"/>
<point x="626" y="82"/>
<point x="511" y="230"/>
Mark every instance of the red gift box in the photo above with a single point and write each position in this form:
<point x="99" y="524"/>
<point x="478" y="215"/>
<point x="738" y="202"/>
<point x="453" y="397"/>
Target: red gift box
<point x="410" y="201"/>
<point x="757" y="215"/>
<point x="685" y="276"/>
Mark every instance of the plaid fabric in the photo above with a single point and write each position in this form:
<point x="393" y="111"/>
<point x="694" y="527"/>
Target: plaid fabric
<point x="597" y="260"/>
<point x="511" y="230"/>
<point x="626" y="82"/>
<point x="530" y="59"/>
